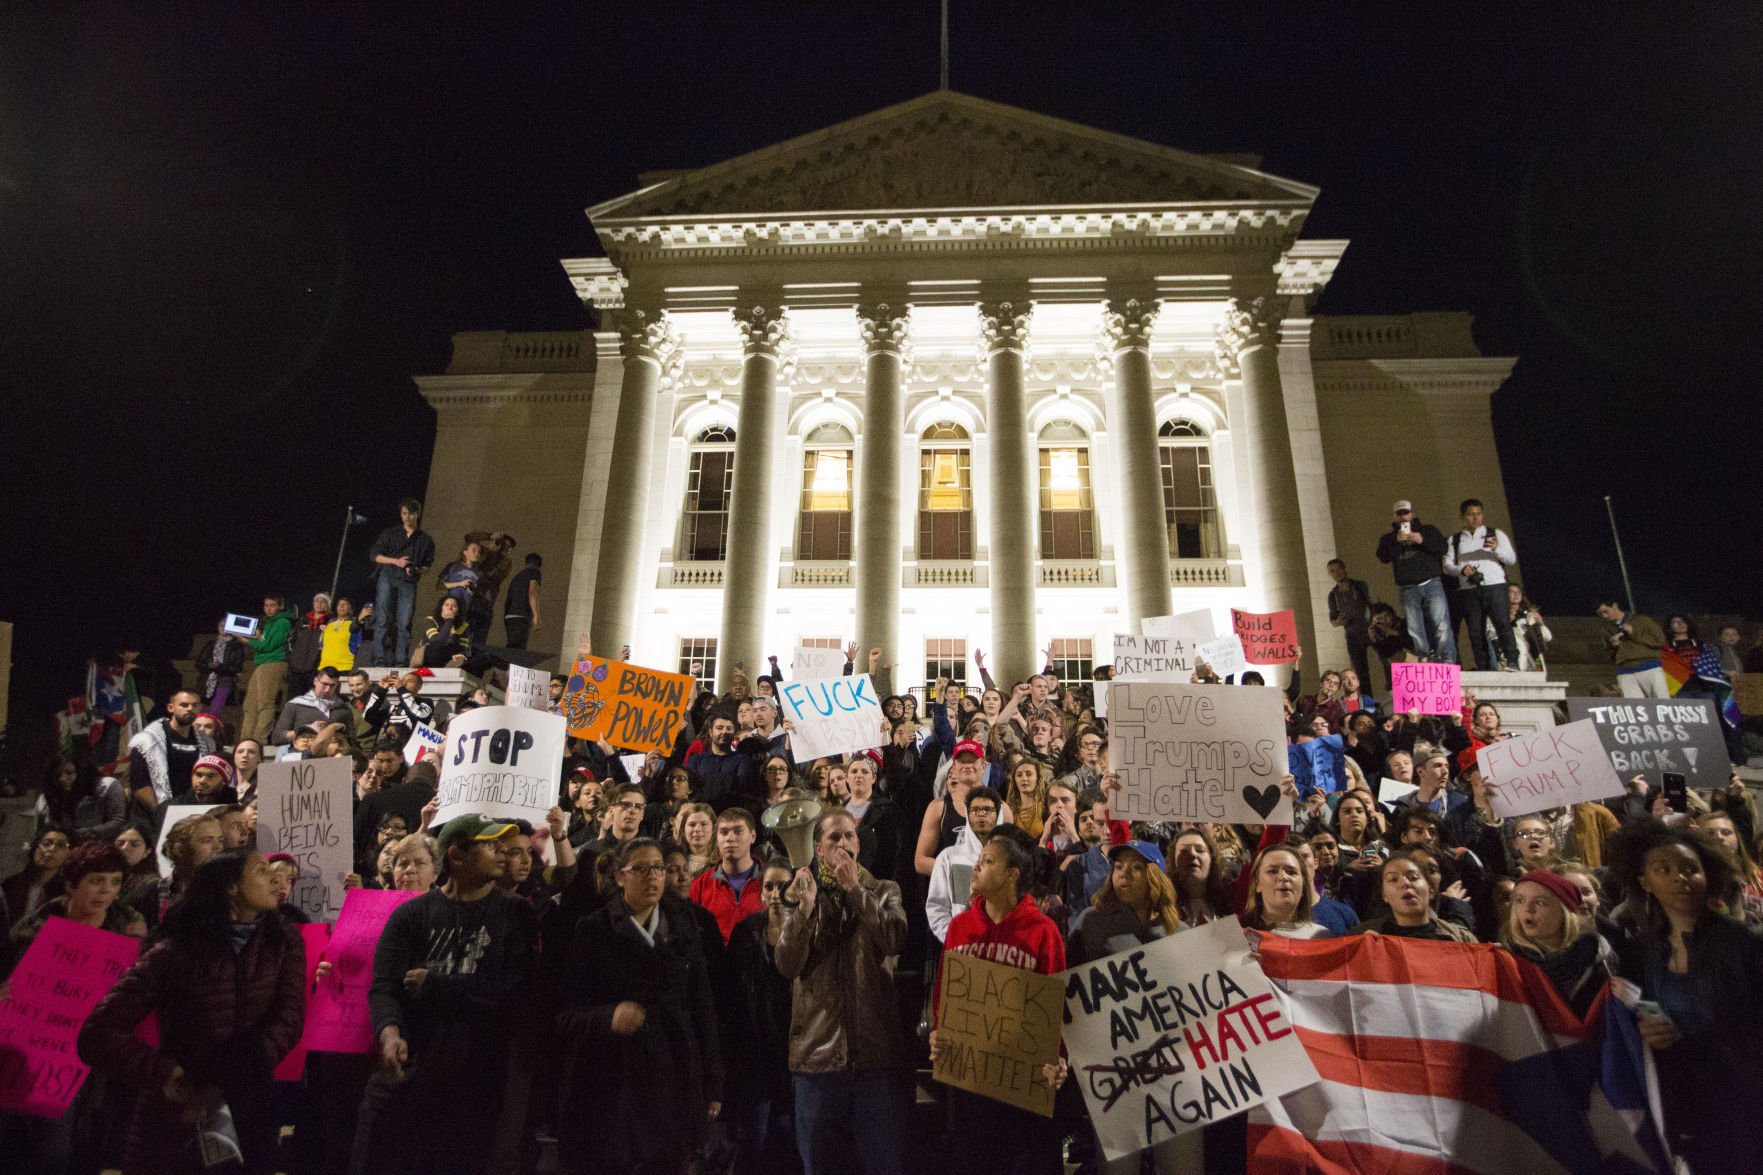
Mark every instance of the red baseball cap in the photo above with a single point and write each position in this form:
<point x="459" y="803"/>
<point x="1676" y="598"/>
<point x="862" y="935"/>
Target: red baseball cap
<point x="968" y="747"/>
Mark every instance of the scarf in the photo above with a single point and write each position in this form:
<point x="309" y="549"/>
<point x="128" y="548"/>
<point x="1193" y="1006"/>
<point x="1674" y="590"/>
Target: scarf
<point x="1567" y="968"/>
<point x="151" y="745"/>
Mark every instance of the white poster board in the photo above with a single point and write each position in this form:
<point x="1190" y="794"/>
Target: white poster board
<point x="1198" y="752"/>
<point x="502" y="761"/>
<point x="832" y="716"/>
<point x="1549" y="769"/>
<point x="174" y="813"/>
<point x="530" y="688"/>
<point x="1223" y="655"/>
<point x="1390" y="790"/>
<point x="425" y="742"/>
<point x="305" y="808"/>
<point x="1176" y="1034"/>
<point x="816" y="664"/>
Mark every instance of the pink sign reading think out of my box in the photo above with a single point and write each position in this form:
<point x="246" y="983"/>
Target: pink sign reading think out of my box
<point x="67" y="970"/>
<point x="1426" y="686"/>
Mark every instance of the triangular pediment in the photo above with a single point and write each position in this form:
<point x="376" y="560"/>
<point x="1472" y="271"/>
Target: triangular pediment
<point x="949" y="151"/>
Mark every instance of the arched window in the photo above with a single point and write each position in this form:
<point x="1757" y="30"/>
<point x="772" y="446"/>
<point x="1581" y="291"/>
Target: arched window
<point x="824" y="531"/>
<point x="945" y="493"/>
<point x="1068" y="514"/>
<point x="709" y="480"/>
<point x="1190" y="500"/>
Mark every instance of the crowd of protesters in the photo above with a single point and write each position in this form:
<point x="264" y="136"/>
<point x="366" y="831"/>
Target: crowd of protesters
<point x="650" y="984"/>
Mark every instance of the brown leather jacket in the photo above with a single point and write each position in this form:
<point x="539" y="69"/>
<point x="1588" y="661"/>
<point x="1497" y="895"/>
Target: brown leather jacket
<point x="843" y="1014"/>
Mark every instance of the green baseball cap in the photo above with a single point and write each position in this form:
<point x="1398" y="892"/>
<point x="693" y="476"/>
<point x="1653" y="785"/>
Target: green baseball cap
<point x="472" y="827"/>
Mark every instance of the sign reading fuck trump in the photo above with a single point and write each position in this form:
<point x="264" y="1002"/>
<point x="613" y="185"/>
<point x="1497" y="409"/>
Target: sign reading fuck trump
<point x="832" y="716"/>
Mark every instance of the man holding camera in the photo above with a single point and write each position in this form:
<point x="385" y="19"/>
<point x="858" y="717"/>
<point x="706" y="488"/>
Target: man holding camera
<point x="1415" y="552"/>
<point x="1478" y="556"/>
<point x="1634" y="641"/>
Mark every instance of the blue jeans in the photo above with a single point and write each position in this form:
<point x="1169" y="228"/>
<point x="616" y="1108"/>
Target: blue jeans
<point x="852" y="1120"/>
<point x="1429" y="621"/>
<point x="394" y="624"/>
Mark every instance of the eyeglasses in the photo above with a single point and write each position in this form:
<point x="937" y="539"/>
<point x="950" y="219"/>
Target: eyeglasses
<point x="778" y="769"/>
<point x="646" y="870"/>
<point x="1534" y="834"/>
<point x="629" y="805"/>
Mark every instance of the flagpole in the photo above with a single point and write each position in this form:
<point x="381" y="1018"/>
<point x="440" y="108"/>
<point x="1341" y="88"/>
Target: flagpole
<point x="349" y="521"/>
<point x="1621" y="562"/>
<point x="943" y="59"/>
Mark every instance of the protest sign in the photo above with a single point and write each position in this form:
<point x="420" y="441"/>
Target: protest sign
<point x="996" y="1027"/>
<point x="65" y="972"/>
<point x="337" y="1019"/>
<point x="1198" y="752"/>
<point x="292" y="1066"/>
<point x="1550" y="769"/>
<point x="173" y="814"/>
<point x="1747" y="691"/>
<point x="816" y="664"/>
<point x="501" y="761"/>
<point x="633" y="765"/>
<point x="831" y="717"/>
<point x="1650" y="736"/>
<point x="1152" y="658"/>
<point x="1183" y="626"/>
<point x="528" y="687"/>
<point x="306" y="809"/>
<point x="425" y="742"/>
<point x="1269" y="638"/>
<point x="1223" y="655"/>
<point x="628" y="705"/>
<point x="1427" y="686"/>
<point x="1178" y="1033"/>
<point x="1391" y="790"/>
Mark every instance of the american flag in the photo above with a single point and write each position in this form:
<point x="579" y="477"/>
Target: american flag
<point x="1450" y="1059"/>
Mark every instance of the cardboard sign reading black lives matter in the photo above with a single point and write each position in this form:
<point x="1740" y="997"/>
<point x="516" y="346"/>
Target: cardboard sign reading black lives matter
<point x="1198" y="752"/>
<point x="996" y="1027"/>
<point x="1650" y="736"/>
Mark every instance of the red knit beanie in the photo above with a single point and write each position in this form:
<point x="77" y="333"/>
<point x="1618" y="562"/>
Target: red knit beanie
<point x="1557" y="885"/>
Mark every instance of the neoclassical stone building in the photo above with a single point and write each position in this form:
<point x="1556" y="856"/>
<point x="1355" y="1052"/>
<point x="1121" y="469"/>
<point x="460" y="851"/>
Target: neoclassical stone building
<point x="954" y="376"/>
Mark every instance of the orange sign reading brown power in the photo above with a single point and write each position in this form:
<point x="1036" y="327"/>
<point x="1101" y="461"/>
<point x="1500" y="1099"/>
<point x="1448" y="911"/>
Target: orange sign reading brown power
<point x="630" y="706"/>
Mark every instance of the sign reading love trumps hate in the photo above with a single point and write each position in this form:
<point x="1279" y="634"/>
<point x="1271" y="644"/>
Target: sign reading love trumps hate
<point x="1426" y="686"/>
<point x="831" y="717"/>
<point x="1269" y="638"/>
<point x="1550" y="769"/>
<point x="630" y="706"/>
<point x="1650" y="736"/>
<point x="67" y="969"/>
<point x="996" y="1026"/>
<point x="1198" y="752"/>
<point x="1178" y="1033"/>
<point x="306" y="809"/>
<point x="501" y="761"/>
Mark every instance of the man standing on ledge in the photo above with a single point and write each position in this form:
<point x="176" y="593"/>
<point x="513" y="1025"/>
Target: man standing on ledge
<point x="1416" y="553"/>
<point x="400" y="557"/>
<point x="1478" y="557"/>
<point x="1635" y="641"/>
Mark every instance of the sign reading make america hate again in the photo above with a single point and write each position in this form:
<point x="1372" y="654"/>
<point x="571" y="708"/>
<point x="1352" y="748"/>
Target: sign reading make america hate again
<point x="1198" y="752"/>
<point x="1178" y="1033"/>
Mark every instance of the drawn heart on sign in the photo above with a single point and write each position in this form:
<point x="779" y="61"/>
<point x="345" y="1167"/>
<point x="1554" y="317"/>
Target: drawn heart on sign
<point x="1262" y="799"/>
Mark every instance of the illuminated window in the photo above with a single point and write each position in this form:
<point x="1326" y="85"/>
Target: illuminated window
<point x="697" y="656"/>
<point x="1190" y="500"/>
<point x="1068" y="516"/>
<point x="945" y="494"/>
<point x="1072" y="660"/>
<point x="710" y="480"/>
<point x="824" y="530"/>
<point x="944" y="657"/>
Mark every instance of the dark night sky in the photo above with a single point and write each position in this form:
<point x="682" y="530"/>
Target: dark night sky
<point x="230" y="237"/>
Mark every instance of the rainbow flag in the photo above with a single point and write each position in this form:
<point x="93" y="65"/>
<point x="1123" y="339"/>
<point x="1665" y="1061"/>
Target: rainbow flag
<point x="1681" y="669"/>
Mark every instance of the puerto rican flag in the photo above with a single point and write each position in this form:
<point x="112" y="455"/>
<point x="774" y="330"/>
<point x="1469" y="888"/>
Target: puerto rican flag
<point x="1451" y="1059"/>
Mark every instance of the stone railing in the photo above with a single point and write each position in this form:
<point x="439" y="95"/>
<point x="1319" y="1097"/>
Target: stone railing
<point x="485" y="352"/>
<point x="1205" y="573"/>
<point x="815" y="575"/>
<point x="1076" y="573"/>
<point x="692" y="575"/>
<point x="940" y="574"/>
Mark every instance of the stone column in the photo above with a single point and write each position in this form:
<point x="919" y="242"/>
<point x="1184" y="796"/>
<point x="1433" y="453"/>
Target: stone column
<point x="1142" y="556"/>
<point x="751" y="568"/>
<point x="885" y="346"/>
<point x="651" y="352"/>
<point x="1015" y="500"/>
<point x="1248" y="348"/>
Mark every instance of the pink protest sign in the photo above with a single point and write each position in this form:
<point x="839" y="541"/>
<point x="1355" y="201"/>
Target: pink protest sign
<point x="337" y="1019"/>
<point x="67" y="970"/>
<point x="1269" y="638"/>
<point x="316" y="934"/>
<point x="1427" y="687"/>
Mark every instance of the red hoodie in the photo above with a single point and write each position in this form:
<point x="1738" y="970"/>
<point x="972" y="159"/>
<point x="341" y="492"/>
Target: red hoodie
<point x="1026" y="938"/>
